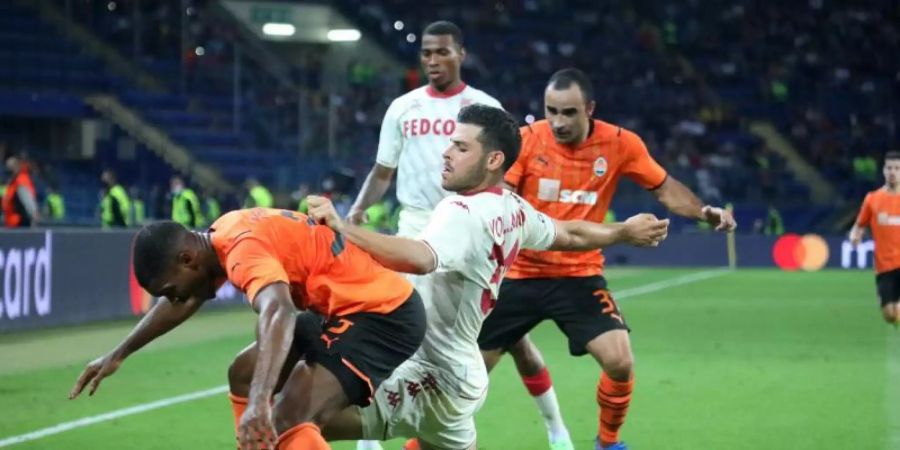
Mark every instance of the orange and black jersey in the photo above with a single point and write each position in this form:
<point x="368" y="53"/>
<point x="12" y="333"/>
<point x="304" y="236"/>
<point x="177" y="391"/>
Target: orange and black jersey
<point x="576" y="183"/>
<point x="326" y="274"/>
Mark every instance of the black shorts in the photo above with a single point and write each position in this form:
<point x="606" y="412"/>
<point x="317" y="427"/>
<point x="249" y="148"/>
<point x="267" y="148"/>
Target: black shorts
<point x="362" y="349"/>
<point x="581" y="307"/>
<point x="888" y="286"/>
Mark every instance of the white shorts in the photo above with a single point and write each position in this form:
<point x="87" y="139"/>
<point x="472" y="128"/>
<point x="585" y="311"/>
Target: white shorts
<point x="412" y="222"/>
<point x="412" y="404"/>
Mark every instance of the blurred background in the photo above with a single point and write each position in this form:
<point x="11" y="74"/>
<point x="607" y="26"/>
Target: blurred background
<point x="113" y="109"/>
<point x="775" y="108"/>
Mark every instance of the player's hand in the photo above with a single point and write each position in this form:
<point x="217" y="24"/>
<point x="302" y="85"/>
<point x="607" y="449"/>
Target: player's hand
<point x="94" y="373"/>
<point x="720" y="218"/>
<point x="645" y="230"/>
<point x="322" y="211"/>
<point x="855" y="238"/>
<point x="357" y="216"/>
<point x="256" y="431"/>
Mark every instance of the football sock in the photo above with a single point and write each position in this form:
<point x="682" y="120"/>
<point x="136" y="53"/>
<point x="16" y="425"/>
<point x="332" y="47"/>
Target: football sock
<point x="613" y="397"/>
<point x="540" y="386"/>
<point x="305" y="436"/>
<point x="238" y="405"/>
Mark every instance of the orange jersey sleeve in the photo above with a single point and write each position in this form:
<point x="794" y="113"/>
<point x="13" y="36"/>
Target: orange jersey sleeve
<point x="326" y="274"/>
<point x="865" y="212"/>
<point x="639" y="165"/>
<point x="251" y="266"/>
<point x="514" y="174"/>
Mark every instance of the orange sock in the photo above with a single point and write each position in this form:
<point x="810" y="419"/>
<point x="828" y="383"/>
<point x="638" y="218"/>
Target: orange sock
<point x="238" y="405"/>
<point x="613" y="397"/>
<point x="305" y="436"/>
<point x="412" y="444"/>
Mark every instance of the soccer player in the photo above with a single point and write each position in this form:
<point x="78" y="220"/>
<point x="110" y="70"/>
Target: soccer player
<point x="416" y="129"/>
<point x="465" y="249"/>
<point x="569" y="168"/>
<point x="881" y="212"/>
<point x="371" y="318"/>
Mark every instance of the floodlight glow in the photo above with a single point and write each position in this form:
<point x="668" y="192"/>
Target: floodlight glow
<point x="344" y="35"/>
<point x="278" y="29"/>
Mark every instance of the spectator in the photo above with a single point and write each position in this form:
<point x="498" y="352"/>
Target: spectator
<point x="20" y="208"/>
<point x="185" y="205"/>
<point x="115" y="207"/>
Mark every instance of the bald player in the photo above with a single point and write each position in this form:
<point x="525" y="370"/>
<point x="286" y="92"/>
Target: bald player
<point x="569" y="169"/>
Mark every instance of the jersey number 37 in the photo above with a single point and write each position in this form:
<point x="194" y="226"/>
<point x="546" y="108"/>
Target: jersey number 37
<point x="503" y="264"/>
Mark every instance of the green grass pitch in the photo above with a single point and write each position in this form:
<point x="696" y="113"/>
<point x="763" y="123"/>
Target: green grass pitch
<point x="747" y="360"/>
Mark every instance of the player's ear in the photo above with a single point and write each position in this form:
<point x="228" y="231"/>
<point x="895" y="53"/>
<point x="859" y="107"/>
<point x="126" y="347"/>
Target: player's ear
<point x="495" y="161"/>
<point x="187" y="258"/>
<point x="462" y="53"/>
<point x="589" y="108"/>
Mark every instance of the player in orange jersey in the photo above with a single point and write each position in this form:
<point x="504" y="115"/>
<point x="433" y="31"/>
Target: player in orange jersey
<point x="569" y="168"/>
<point x="881" y="212"/>
<point x="360" y="321"/>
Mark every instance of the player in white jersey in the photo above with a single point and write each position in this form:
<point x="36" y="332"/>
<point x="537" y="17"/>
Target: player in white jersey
<point x="470" y="241"/>
<point x="416" y="129"/>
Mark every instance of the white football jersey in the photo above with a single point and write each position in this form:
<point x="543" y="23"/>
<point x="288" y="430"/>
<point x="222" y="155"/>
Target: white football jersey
<point x="475" y="239"/>
<point x="415" y="133"/>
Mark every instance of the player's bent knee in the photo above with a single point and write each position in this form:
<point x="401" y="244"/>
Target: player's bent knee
<point x="240" y="372"/>
<point x="619" y="367"/>
<point x="310" y="394"/>
<point x="527" y="356"/>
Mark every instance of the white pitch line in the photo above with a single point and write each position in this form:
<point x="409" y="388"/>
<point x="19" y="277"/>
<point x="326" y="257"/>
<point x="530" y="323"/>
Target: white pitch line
<point x="669" y="282"/>
<point x="892" y="390"/>
<point x="137" y="409"/>
<point x="144" y="407"/>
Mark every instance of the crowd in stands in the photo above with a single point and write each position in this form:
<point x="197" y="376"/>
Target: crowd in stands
<point x="688" y="78"/>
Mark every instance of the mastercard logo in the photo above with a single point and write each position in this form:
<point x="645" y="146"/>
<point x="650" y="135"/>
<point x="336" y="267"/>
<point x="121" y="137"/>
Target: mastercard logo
<point x="793" y="252"/>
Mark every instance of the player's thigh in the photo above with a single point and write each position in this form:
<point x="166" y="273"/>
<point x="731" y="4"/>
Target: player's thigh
<point x="240" y="373"/>
<point x="612" y="350"/>
<point x="312" y="393"/>
<point x="514" y="314"/>
<point x="363" y="349"/>
<point x="584" y="309"/>
<point x="344" y="426"/>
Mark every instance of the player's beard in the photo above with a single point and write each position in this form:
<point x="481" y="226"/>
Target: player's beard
<point x="469" y="181"/>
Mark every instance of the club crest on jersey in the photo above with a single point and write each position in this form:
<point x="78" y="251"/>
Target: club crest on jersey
<point x="465" y="102"/>
<point x="600" y="166"/>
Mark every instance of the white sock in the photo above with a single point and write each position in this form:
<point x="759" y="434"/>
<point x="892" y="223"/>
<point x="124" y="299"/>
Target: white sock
<point x="368" y="445"/>
<point x="549" y="408"/>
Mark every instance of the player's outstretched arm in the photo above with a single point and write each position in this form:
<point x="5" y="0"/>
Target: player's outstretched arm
<point x="274" y="335"/>
<point x="677" y="198"/>
<point x="377" y="183"/>
<point x="395" y="253"/>
<point x="642" y="230"/>
<point x="162" y="318"/>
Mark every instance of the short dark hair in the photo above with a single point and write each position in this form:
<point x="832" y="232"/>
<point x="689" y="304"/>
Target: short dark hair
<point x="892" y="155"/>
<point x="563" y="79"/>
<point x="155" y="249"/>
<point x="445" y="27"/>
<point x="499" y="131"/>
